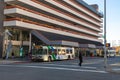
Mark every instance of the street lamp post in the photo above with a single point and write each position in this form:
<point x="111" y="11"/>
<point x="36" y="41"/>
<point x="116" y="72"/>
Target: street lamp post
<point x="105" y="54"/>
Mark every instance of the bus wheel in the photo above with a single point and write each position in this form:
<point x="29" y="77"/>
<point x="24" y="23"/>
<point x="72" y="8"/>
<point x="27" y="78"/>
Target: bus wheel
<point x="69" y="57"/>
<point x="49" y="59"/>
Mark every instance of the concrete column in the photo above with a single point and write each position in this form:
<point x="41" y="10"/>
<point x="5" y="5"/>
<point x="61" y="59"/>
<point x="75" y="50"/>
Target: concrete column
<point x="1" y="26"/>
<point x="30" y="38"/>
<point x="78" y="51"/>
<point x="21" y="39"/>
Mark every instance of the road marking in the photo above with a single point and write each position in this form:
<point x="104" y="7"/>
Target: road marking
<point x="92" y="62"/>
<point x="115" y="64"/>
<point x="116" y="69"/>
<point x="56" y="68"/>
<point x="71" y="66"/>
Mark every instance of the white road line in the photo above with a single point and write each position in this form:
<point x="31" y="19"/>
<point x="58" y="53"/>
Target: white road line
<point x="116" y="69"/>
<point x="89" y="67"/>
<point x="56" y="68"/>
<point x="71" y="66"/>
<point x="92" y="62"/>
<point x="115" y="64"/>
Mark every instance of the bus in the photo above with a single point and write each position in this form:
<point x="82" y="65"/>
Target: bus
<point x="51" y="53"/>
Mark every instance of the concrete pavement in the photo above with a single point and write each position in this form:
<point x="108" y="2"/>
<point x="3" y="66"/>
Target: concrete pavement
<point x="15" y="60"/>
<point x="114" y="67"/>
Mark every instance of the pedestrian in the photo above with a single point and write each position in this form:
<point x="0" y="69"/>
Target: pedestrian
<point x="12" y="55"/>
<point x="80" y="59"/>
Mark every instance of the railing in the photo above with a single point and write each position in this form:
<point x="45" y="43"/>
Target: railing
<point x="93" y="25"/>
<point x="52" y="27"/>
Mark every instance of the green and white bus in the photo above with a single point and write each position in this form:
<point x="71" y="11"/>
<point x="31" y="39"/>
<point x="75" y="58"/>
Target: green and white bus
<point x="51" y="53"/>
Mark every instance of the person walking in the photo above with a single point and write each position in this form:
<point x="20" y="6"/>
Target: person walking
<point x="80" y="59"/>
<point x="12" y="55"/>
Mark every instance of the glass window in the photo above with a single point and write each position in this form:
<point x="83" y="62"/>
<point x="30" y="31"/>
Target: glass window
<point x="59" y="51"/>
<point x="50" y="51"/>
<point x="67" y="51"/>
<point x="44" y="51"/>
<point x="15" y="33"/>
<point x="25" y="35"/>
<point x="71" y="51"/>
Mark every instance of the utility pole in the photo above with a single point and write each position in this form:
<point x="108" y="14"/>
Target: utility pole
<point x="118" y="47"/>
<point x="1" y="26"/>
<point x="105" y="54"/>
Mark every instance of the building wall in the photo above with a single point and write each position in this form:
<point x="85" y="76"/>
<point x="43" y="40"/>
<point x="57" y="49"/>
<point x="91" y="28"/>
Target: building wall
<point x="64" y="17"/>
<point x="1" y="26"/>
<point x="57" y="15"/>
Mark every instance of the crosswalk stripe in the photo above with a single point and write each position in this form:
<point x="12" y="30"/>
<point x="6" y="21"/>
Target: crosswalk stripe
<point x="116" y="69"/>
<point x="87" y="67"/>
<point x="56" y="68"/>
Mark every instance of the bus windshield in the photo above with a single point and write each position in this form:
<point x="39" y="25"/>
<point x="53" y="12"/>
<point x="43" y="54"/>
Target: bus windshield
<point x="39" y="51"/>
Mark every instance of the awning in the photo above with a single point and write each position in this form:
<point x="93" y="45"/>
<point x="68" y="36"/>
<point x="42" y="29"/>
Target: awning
<point x="57" y="39"/>
<point x="87" y="46"/>
<point x="54" y="42"/>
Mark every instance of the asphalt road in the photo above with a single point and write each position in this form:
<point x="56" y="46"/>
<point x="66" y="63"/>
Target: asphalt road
<point x="92" y="69"/>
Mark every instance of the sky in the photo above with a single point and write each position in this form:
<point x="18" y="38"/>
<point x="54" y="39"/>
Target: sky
<point x="112" y="19"/>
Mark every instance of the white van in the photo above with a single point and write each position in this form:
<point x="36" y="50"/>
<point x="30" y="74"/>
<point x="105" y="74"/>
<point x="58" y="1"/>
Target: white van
<point x="111" y="53"/>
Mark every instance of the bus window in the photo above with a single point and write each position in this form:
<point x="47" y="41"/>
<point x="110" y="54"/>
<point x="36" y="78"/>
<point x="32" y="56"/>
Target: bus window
<point x="67" y="51"/>
<point x="39" y="51"/>
<point x="50" y="52"/>
<point x="59" y="51"/>
<point x="44" y="51"/>
<point x="71" y="51"/>
<point x="55" y="51"/>
<point x="63" y="51"/>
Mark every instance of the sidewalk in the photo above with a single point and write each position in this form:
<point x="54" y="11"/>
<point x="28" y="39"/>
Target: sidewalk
<point x="114" y="68"/>
<point x="15" y="60"/>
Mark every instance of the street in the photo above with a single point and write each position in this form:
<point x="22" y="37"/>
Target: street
<point x="91" y="69"/>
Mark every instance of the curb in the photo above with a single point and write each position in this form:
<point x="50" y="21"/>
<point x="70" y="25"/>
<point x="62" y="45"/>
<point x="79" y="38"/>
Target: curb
<point x="111" y="70"/>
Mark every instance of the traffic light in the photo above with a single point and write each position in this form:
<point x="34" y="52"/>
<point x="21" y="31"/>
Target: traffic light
<point x="107" y="44"/>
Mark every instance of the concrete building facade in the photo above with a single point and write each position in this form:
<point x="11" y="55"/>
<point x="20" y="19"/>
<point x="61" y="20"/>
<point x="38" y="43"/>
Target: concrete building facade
<point x="50" y="22"/>
<point x="1" y="26"/>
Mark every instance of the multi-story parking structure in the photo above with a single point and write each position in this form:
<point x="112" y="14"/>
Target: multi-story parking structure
<point x="51" y="22"/>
